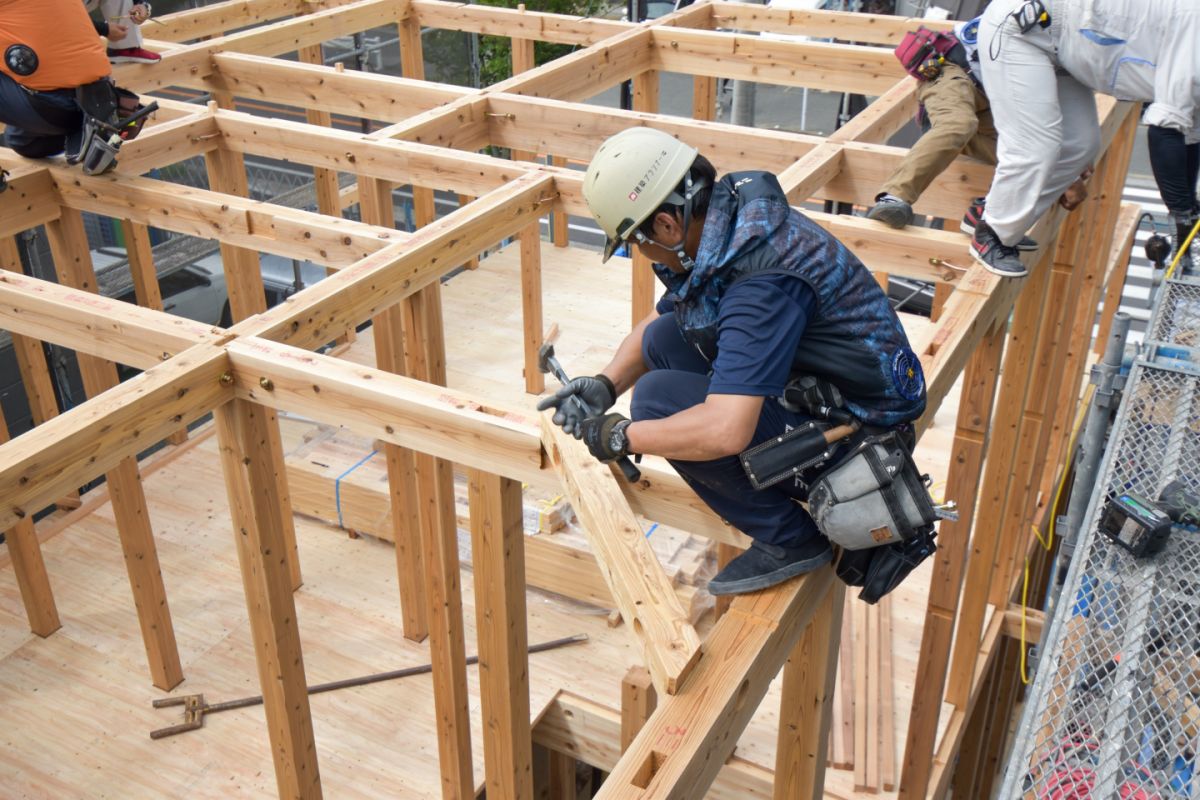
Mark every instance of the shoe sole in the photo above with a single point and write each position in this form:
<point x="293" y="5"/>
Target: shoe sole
<point x="760" y="582"/>
<point x="995" y="271"/>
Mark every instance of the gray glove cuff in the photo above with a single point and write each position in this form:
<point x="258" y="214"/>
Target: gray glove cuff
<point x="612" y="390"/>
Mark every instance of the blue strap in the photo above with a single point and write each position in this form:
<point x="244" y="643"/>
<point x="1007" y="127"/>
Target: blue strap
<point x="337" y="485"/>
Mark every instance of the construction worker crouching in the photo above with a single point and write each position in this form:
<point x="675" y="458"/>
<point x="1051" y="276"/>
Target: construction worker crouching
<point x="55" y="92"/>
<point x="760" y="303"/>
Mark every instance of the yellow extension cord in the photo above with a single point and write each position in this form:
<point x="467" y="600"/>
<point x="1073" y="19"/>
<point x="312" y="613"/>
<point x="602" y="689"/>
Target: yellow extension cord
<point x="1048" y="542"/>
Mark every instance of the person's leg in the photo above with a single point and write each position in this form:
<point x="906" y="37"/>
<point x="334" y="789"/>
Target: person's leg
<point x="1081" y="141"/>
<point x="36" y="127"/>
<point x="1019" y="77"/>
<point x="1174" y="164"/>
<point x="663" y="347"/>
<point x="950" y="103"/>
<point x="769" y="515"/>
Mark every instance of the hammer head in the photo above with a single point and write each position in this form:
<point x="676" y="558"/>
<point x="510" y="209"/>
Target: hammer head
<point x="545" y="353"/>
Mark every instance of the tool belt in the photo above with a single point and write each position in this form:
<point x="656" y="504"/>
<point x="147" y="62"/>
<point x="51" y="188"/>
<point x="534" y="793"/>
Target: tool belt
<point x="873" y="496"/>
<point x="111" y="117"/>
<point x="922" y="52"/>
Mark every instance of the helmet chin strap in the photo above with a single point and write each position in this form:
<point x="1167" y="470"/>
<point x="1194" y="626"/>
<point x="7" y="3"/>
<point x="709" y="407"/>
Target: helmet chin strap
<point x="690" y="188"/>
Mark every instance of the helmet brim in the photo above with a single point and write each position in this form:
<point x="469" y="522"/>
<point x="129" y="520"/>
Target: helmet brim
<point x="610" y="247"/>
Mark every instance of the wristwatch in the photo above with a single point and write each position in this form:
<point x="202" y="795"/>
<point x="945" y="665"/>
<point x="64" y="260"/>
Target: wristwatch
<point x="618" y="439"/>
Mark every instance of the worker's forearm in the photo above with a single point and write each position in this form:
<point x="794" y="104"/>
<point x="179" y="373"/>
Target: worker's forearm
<point x="700" y="433"/>
<point x="627" y="364"/>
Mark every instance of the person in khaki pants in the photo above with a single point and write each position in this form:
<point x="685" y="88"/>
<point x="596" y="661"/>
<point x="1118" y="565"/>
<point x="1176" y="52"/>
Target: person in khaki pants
<point x="960" y="121"/>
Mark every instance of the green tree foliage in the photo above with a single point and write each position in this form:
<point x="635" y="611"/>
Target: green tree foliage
<point x="495" y="54"/>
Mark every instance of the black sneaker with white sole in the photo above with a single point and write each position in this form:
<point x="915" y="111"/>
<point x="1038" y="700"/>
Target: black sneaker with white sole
<point x="974" y="216"/>
<point x="996" y="256"/>
<point x="891" y="211"/>
<point x="764" y="565"/>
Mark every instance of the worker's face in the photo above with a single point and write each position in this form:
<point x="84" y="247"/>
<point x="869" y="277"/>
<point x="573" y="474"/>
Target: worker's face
<point x="666" y="234"/>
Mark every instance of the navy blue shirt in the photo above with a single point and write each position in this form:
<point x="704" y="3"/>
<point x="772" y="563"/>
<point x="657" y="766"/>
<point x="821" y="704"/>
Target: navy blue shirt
<point x="760" y="321"/>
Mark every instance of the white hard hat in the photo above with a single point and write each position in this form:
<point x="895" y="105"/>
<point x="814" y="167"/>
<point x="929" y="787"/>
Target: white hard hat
<point x="631" y="175"/>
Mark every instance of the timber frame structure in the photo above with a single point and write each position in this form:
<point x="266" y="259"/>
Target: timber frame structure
<point x="1004" y="336"/>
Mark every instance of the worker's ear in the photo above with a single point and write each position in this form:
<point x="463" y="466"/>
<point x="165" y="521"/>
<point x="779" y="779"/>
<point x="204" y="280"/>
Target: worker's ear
<point x="668" y="228"/>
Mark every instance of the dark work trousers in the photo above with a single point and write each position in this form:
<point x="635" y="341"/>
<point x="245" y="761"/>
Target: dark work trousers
<point x="39" y="125"/>
<point x="1176" y="166"/>
<point x="678" y="380"/>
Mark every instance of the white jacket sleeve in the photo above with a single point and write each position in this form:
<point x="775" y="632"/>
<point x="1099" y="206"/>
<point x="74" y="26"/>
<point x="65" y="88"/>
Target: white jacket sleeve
<point x="1177" y="75"/>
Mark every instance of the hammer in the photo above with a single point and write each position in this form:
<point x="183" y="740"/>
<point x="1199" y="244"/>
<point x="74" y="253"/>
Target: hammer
<point x="548" y="364"/>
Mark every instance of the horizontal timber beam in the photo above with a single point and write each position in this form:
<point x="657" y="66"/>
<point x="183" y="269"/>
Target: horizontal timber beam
<point x="64" y="452"/>
<point x="90" y="323"/>
<point x="288" y="232"/>
<point x="31" y="199"/>
<point x="853" y="26"/>
<point x="585" y="73"/>
<point x="816" y="65"/>
<point x="442" y="422"/>
<point x="518" y="23"/>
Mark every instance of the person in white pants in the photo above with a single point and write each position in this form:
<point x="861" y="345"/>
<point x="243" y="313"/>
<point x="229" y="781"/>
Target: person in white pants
<point x="1040" y="84"/>
<point x="122" y="26"/>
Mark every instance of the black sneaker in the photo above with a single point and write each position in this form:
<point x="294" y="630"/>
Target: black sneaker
<point x="765" y="565"/>
<point x="974" y="216"/>
<point x="891" y="211"/>
<point x="998" y="257"/>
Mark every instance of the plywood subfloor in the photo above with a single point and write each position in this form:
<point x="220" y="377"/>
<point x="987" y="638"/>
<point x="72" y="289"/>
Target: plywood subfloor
<point x="75" y="708"/>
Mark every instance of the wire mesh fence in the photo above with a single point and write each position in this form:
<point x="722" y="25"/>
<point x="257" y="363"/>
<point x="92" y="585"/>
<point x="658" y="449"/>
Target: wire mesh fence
<point x="1176" y="320"/>
<point x="1115" y="709"/>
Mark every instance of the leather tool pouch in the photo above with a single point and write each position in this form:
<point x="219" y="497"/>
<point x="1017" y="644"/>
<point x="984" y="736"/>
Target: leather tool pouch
<point x="873" y="496"/>
<point x="786" y="456"/>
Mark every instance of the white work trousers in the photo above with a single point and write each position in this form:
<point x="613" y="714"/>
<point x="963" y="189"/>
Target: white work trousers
<point x="1046" y="120"/>
<point x="117" y="11"/>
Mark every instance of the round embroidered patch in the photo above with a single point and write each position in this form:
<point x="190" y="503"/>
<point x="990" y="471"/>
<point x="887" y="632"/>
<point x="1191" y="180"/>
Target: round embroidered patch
<point x="21" y="60"/>
<point x="907" y="375"/>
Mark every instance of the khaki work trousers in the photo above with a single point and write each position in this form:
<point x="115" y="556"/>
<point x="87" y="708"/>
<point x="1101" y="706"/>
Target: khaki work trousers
<point x="961" y="123"/>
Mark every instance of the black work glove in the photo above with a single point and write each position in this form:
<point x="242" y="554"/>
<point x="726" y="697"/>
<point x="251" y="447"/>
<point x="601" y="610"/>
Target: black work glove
<point x="606" y="436"/>
<point x="597" y="392"/>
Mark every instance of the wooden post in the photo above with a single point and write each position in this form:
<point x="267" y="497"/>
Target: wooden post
<point x="638" y="701"/>
<point x="73" y="263"/>
<point x="387" y="328"/>
<point x="248" y="458"/>
<point x="31" y="363"/>
<point x="243" y="280"/>
<point x="941" y="293"/>
<point x="498" y="548"/>
<point x="806" y="703"/>
<point x="645" y="98"/>
<point x="325" y="181"/>
<point x="967" y="454"/>
<point x="704" y="98"/>
<point x="30" y="569"/>
<point x="531" y="253"/>
<point x="559" y="221"/>
<point x="145" y="280"/>
<point x="562" y="776"/>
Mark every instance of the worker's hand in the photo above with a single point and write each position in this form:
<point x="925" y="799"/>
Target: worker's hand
<point x="597" y="393"/>
<point x="606" y="436"/>
<point x="1075" y="194"/>
<point x="116" y="31"/>
<point x="140" y="13"/>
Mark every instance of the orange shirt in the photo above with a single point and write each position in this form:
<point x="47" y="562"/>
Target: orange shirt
<point x="60" y="33"/>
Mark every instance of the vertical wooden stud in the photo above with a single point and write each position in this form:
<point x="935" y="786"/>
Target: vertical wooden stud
<point x="806" y="703"/>
<point x="247" y="457"/>
<point x="559" y="221"/>
<point x="531" y="304"/>
<point x="498" y="561"/>
<point x="645" y="98"/>
<point x="639" y="698"/>
<point x="73" y="263"/>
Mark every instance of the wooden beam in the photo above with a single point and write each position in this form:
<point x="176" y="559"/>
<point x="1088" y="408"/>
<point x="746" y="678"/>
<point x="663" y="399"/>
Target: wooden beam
<point x="817" y="65"/>
<point x="670" y="646"/>
<point x="967" y="454"/>
<point x="247" y="456"/>
<point x="886" y="115"/>
<point x="30" y="199"/>
<point x="806" y="703"/>
<point x="30" y="569"/>
<point x="235" y="220"/>
<point x="680" y="751"/>
<point x="169" y="141"/>
<point x="805" y="178"/>
<point x="1118" y="268"/>
<point x="519" y="23"/>
<point x="73" y="264"/>
<point x="215" y="19"/>
<point x="498" y="563"/>
<point x="858" y="27"/>
<point x="638" y="701"/>
<point x="585" y="73"/>
<point x="382" y="279"/>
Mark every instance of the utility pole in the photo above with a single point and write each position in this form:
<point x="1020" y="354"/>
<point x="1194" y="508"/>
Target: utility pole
<point x="741" y="106"/>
